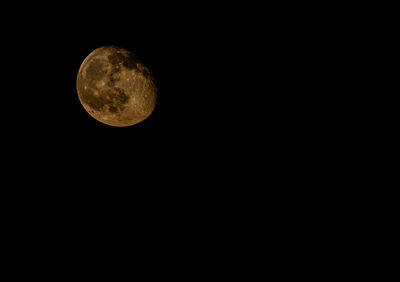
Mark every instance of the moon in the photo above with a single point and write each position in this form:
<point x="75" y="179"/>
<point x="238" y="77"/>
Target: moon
<point x="115" y="87"/>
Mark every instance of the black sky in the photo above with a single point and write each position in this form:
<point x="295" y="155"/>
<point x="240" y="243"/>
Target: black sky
<point x="242" y="127"/>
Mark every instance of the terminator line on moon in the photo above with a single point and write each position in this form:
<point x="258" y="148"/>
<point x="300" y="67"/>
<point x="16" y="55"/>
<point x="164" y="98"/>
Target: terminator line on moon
<point x="115" y="87"/>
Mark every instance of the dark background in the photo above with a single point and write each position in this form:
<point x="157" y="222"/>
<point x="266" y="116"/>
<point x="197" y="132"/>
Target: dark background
<point x="240" y="137"/>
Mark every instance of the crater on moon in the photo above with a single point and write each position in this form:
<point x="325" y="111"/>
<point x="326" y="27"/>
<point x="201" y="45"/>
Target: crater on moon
<point x="115" y="87"/>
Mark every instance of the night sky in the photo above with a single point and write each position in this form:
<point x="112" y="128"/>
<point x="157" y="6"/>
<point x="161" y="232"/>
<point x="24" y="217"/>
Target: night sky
<point x="245" y="123"/>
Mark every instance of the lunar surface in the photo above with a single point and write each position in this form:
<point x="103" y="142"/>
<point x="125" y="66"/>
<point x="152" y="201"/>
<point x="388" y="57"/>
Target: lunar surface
<point x="115" y="87"/>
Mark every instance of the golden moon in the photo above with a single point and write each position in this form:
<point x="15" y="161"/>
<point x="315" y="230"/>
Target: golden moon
<point x="115" y="87"/>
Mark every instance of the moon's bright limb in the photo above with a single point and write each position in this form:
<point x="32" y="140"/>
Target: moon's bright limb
<point x="115" y="87"/>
